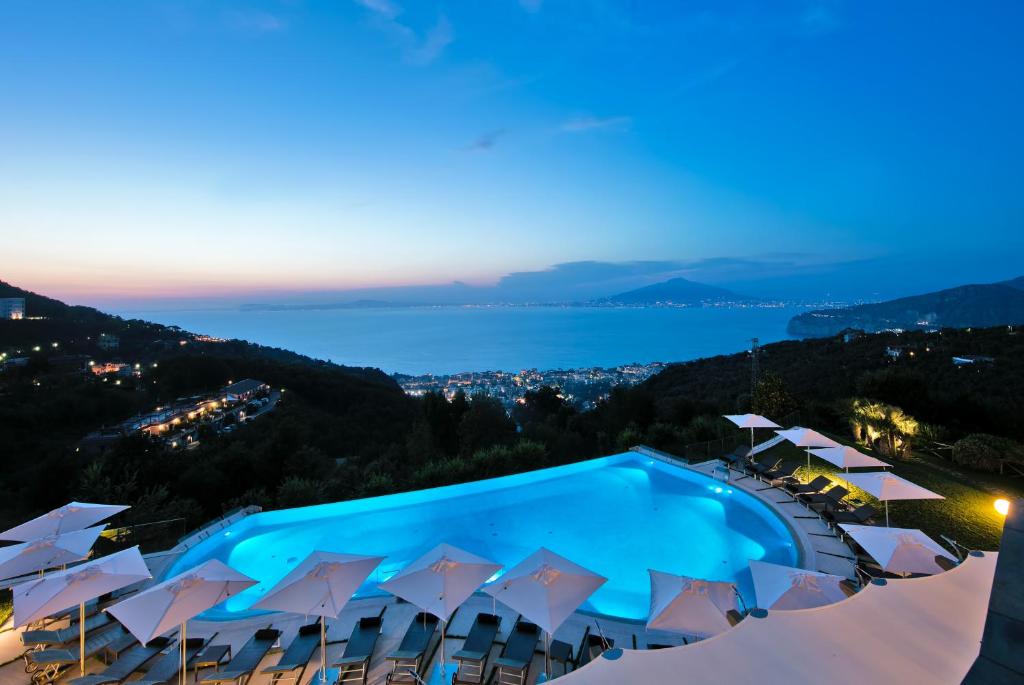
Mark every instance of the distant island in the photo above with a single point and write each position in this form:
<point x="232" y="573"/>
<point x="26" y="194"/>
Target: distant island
<point x="992" y="304"/>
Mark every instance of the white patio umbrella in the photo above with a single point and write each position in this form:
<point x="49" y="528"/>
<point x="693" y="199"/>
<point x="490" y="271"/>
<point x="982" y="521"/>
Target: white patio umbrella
<point x="71" y="516"/>
<point x="545" y="588"/>
<point x="57" y="591"/>
<point x="173" y="602"/>
<point x="846" y="458"/>
<point x="887" y="486"/>
<point x="321" y="585"/>
<point x="899" y="550"/>
<point x="681" y="604"/>
<point x="47" y="552"/>
<point x="751" y="421"/>
<point x="805" y="437"/>
<point x="439" y="581"/>
<point x="784" y="587"/>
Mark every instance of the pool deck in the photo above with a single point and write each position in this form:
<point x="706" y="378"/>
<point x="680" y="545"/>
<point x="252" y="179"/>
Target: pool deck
<point x="822" y="551"/>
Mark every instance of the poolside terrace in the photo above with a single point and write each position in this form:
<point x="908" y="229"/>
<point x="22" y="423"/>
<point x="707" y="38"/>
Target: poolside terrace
<point x="821" y="550"/>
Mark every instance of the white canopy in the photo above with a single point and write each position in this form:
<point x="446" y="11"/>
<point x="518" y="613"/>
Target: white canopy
<point x="785" y="587"/>
<point x="899" y="550"/>
<point x="440" y="580"/>
<point x="751" y="421"/>
<point x="920" y="630"/>
<point x="681" y="604"/>
<point x="60" y="590"/>
<point x="886" y="487"/>
<point x="173" y="602"/>
<point x="848" y="458"/>
<point x="321" y="584"/>
<point x="71" y="516"/>
<point x="47" y="552"/>
<point x="545" y="588"/>
<point x="805" y="437"/>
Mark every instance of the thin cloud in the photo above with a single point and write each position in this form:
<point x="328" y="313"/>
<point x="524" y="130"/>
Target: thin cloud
<point x="531" y="6"/>
<point x="382" y="7"/>
<point x="433" y="44"/>
<point x="419" y="49"/>
<point x="821" y="17"/>
<point x="487" y="141"/>
<point x="587" y="123"/>
<point x="254" y="22"/>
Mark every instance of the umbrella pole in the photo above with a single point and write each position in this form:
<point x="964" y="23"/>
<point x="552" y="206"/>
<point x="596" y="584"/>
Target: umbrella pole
<point x="443" y="624"/>
<point x="547" y="647"/>
<point x="886" y="513"/>
<point x="184" y="653"/>
<point x="81" y="637"/>
<point x="323" y="650"/>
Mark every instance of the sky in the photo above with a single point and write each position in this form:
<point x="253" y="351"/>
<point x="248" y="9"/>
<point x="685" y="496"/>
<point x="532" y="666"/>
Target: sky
<point x="171" y="151"/>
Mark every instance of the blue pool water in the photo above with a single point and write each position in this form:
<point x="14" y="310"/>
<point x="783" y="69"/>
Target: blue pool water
<point x="617" y="516"/>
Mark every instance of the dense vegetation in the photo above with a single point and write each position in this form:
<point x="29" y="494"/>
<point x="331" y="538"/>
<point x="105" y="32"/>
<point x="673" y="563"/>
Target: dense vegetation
<point x="341" y="433"/>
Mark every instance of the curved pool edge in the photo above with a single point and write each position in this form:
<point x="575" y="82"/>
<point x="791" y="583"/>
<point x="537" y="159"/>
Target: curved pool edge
<point x="252" y="517"/>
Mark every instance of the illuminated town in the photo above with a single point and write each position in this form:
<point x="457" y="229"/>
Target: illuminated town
<point x="580" y="387"/>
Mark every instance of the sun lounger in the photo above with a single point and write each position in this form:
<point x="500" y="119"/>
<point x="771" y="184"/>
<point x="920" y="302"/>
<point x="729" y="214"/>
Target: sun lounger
<point x="781" y="474"/>
<point x="113" y="651"/>
<point x="354" y="664"/>
<point x="46" y="665"/>
<point x="244" y="663"/>
<point x="816" y="485"/>
<point x="408" y="658"/>
<point x="37" y="639"/>
<point x="765" y="467"/>
<point x="168" y="666"/>
<point x="737" y="459"/>
<point x="832" y="498"/>
<point x="513" y="666"/>
<point x="590" y="646"/>
<point x="476" y="650"/>
<point x="861" y="515"/>
<point x="297" y="656"/>
<point x="127" y="663"/>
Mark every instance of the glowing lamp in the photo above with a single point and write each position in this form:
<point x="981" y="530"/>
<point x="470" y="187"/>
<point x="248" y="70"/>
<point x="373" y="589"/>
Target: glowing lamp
<point x="1002" y="506"/>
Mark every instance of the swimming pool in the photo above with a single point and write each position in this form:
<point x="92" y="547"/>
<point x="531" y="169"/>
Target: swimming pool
<point x="617" y="515"/>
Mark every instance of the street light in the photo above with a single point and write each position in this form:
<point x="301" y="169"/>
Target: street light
<point x="1002" y="506"/>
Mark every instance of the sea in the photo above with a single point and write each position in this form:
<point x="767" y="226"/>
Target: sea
<point x="445" y="340"/>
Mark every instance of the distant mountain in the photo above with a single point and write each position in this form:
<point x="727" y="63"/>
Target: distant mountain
<point x="992" y="304"/>
<point x="677" y="291"/>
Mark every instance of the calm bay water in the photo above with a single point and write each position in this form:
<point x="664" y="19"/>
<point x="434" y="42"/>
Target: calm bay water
<point x="451" y="339"/>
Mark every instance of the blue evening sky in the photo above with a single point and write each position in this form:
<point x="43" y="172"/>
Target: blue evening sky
<point x="175" y="148"/>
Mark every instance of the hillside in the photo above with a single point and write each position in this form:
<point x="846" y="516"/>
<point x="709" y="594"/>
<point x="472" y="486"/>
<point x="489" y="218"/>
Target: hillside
<point x="48" y="403"/>
<point x="676" y="291"/>
<point x="980" y="306"/>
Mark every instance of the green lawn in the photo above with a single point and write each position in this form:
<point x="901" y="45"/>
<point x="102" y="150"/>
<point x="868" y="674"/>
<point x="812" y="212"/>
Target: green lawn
<point x="967" y="515"/>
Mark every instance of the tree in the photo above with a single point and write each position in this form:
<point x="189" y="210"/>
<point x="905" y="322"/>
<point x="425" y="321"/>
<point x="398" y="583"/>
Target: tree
<point x="884" y="426"/>
<point x="485" y="423"/>
<point x="771" y="398"/>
